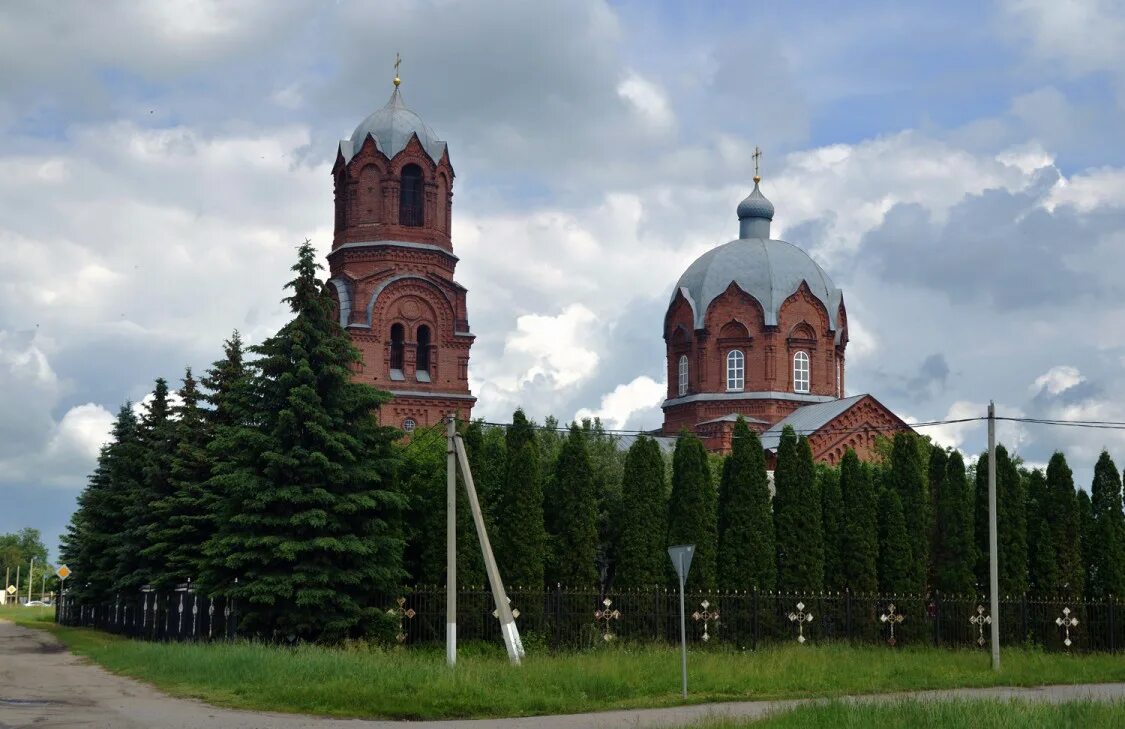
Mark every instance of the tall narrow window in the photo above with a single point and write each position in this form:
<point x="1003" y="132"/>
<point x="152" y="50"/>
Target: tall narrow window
<point x="736" y="371"/>
<point x="410" y="208"/>
<point x="423" y="359"/>
<point x="800" y="372"/>
<point x="683" y="375"/>
<point x="398" y="347"/>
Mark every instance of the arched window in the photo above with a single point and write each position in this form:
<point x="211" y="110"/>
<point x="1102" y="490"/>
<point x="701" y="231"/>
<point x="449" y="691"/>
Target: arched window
<point x="422" y="362"/>
<point x="736" y="370"/>
<point x="410" y="206"/>
<point x="683" y="375"/>
<point x="397" y="347"/>
<point x="800" y="372"/>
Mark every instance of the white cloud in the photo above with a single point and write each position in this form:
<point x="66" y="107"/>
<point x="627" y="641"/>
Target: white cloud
<point x="1085" y="35"/>
<point x="1058" y="379"/>
<point x="649" y="100"/>
<point x="617" y="406"/>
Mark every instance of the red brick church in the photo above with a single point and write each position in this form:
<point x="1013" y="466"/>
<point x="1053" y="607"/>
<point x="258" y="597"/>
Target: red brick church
<point x="755" y="328"/>
<point x="392" y="267"/>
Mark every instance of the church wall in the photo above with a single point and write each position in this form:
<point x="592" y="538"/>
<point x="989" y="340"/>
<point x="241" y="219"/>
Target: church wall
<point x="803" y="308"/>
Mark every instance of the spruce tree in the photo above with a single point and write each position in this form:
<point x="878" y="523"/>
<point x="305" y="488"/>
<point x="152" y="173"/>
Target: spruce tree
<point x="310" y="514"/>
<point x="1042" y="566"/>
<point x="954" y="549"/>
<point x="745" y="559"/>
<point x="832" y="506"/>
<point x="896" y="564"/>
<point x="860" y="534"/>
<point x="1063" y="518"/>
<point x="182" y="521"/>
<point x="692" y="509"/>
<point x="909" y="480"/>
<point x="1105" y="552"/>
<point x="142" y="560"/>
<point x="576" y="542"/>
<point x="98" y="525"/>
<point x="640" y="552"/>
<point x="521" y="539"/>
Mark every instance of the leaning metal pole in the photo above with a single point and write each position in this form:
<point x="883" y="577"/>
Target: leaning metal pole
<point x="993" y="558"/>
<point x="451" y="544"/>
<point x="503" y="609"/>
<point x="683" y="627"/>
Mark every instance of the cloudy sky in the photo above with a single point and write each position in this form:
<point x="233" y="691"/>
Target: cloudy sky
<point x="958" y="169"/>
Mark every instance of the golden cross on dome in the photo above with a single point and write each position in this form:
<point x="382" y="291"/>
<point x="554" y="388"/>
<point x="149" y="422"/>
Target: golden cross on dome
<point x="757" y="158"/>
<point x="398" y="62"/>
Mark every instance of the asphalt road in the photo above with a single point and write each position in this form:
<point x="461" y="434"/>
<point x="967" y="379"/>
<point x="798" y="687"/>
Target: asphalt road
<point x="42" y="685"/>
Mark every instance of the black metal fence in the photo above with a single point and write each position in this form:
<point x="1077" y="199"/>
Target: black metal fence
<point x="562" y="618"/>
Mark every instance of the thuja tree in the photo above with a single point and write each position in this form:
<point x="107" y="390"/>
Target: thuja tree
<point x="310" y="514"/>
<point x="1011" y="526"/>
<point x="1042" y="566"/>
<point x="797" y="516"/>
<point x="832" y="507"/>
<point x="745" y="558"/>
<point x="1107" y="544"/>
<point x="1086" y="534"/>
<point x="576" y="541"/>
<point x="96" y="528"/>
<point x="954" y="555"/>
<point x="935" y="474"/>
<point x="1063" y="516"/>
<point x="488" y="458"/>
<point x="860" y="533"/>
<point x="521" y="540"/>
<point x="895" y="563"/>
<point x="641" y="557"/>
<point x="908" y="478"/>
<point x="183" y="522"/>
<point x="142" y="559"/>
<point x="692" y="509"/>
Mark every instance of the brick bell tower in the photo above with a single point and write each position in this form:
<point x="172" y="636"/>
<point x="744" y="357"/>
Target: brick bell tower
<point x="392" y="266"/>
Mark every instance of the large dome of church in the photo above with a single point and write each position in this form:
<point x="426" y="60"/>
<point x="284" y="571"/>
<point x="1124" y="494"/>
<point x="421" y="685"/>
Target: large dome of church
<point x="769" y="270"/>
<point x="391" y="127"/>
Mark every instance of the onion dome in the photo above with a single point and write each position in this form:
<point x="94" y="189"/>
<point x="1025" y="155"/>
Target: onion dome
<point x="392" y="127"/>
<point x="754" y="215"/>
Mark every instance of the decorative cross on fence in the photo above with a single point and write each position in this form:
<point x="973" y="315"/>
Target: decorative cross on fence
<point x="515" y="611"/>
<point x="404" y="613"/>
<point x="980" y="620"/>
<point x="706" y="615"/>
<point x="1066" y="622"/>
<point x="800" y="618"/>
<point x="891" y="617"/>
<point x="604" y="616"/>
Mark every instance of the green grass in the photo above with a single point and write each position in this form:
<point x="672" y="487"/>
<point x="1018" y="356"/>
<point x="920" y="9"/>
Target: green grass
<point x="414" y="683"/>
<point x="981" y="714"/>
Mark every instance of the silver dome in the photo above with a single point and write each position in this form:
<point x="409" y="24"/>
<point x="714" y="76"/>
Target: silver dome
<point x="391" y="127"/>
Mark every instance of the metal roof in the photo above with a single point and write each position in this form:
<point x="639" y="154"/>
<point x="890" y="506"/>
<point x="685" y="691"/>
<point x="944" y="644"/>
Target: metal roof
<point x="731" y="418"/>
<point x="392" y="127"/>
<point x="807" y="419"/>
<point x="769" y="270"/>
<point x="625" y="441"/>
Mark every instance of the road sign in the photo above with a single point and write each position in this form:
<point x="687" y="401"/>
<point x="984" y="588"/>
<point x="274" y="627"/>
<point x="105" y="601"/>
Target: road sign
<point x="63" y="572"/>
<point x="681" y="559"/>
<point x="681" y="555"/>
<point x="11" y="589"/>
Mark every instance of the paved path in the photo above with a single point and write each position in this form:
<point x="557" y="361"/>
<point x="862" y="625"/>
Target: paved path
<point x="43" y="685"/>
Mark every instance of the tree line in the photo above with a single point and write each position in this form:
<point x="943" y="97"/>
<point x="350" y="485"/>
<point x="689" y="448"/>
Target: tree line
<point x="268" y="480"/>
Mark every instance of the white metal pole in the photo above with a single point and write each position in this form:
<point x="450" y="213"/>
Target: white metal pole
<point x="503" y="609"/>
<point x="993" y="557"/>
<point x="451" y="544"/>
<point x="30" y="578"/>
<point x="683" y="627"/>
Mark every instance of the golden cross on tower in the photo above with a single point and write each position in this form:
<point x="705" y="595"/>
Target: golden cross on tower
<point x="757" y="158"/>
<point x="398" y="62"/>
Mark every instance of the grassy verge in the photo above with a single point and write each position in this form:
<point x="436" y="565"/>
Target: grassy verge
<point x="939" y="715"/>
<point x="415" y="683"/>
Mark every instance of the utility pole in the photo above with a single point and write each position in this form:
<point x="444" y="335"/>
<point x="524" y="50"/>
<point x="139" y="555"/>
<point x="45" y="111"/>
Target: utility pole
<point x="18" y="583"/>
<point x="451" y="543"/>
<point x="993" y="557"/>
<point x="30" y="578"/>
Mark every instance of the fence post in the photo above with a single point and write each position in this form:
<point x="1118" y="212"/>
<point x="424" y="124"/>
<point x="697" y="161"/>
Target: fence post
<point x="1023" y="617"/>
<point x="937" y="619"/>
<point x="754" y="622"/>
<point x="1112" y="627"/>
<point x="848" y="612"/>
